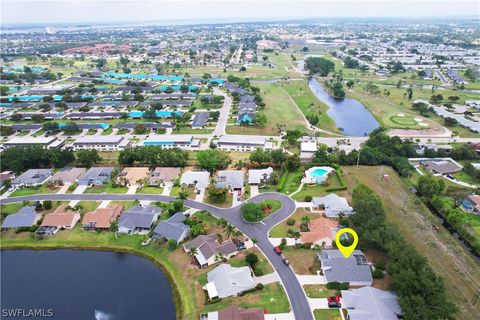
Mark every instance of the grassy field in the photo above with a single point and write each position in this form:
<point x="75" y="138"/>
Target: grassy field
<point x="10" y="208"/>
<point x="327" y="314"/>
<point x="279" y="110"/>
<point x="317" y="190"/>
<point x="150" y="190"/>
<point x="89" y="206"/>
<point x="301" y="260"/>
<point x="262" y="267"/>
<point x="33" y="190"/>
<point x="107" y="188"/>
<point x="444" y="254"/>
<point x="309" y="104"/>
<point x="281" y="229"/>
<point x="318" y="291"/>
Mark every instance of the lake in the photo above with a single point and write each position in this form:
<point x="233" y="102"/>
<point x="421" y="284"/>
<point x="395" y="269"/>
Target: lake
<point x="80" y="284"/>
<point x="348" y="114"/>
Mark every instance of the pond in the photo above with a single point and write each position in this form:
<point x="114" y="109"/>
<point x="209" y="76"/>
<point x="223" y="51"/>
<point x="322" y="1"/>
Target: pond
<point x="348" y="114"/>
<point x="79" y="284"/>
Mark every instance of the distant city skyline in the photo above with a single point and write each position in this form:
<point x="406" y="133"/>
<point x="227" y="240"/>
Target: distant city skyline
<point x="74" y="11"/>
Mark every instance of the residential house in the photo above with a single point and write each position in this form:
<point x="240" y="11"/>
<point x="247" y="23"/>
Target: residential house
<point x="101" y="143"/>
<point x="200" y="120"/>
<point x="354" y="269"/>
<point x="243" y="144"/>
<point x="163" y="174"/>
<point x="138" y="219"/>
<point x="308" y="149"/>
<point x="62" y="218"/>
<point x="6" y="175"/>
<point x="199" y="179"/>
<point x="185" y="142"/>
<point x="133" y="176"/>
<point x="226" y="281"/>
<point x="235" y="313"/>
<point x="45" y="142"/>
<point x="68" y="175"/>
<point x="25" y="217"/>
<point x="173" y="228"/>
<point x="102" y="218"/>
<point x="370" y="303"/>
<point x="32" y="178"/>
<point x="321" y="231"/>
<point x="332" y="204"/>
<point x="96" y="176"/>
<point x="230" y="179"/>
<point x="441" y="166"/>
<point x="209" y="250"/>
<point x="471" y="204"/>
<point x="258" y="176"/>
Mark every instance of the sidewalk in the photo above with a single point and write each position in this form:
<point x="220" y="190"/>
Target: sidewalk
<point x="268" y="278"/>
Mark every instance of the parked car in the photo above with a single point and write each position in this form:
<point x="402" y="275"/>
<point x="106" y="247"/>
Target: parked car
<point x="333" y="299"/>
<point x="277" y="250"/>
<point x="334" y="305"/>
<point x="240" y="246"/>
<point x="285" y="261"/>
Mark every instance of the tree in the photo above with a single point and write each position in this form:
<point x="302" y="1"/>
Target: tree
<point x="453" y="98"/>
<point x="229" y="230"/>
<point x="261" y="119"/>
<point x="192" y="252"/>
<point x="212" y="160"/>
<point x="318" y="65"/>
<point x="124" y="116"/>
<point x="278" y="156"/>
<point x="16" y="117"/>
<point x="218" y="195"/>
<point x="172" y="244"/>
<point x="47" y="204"/>
<point x="150" y="114"/>
<point x="254" y="242"/>
<point x="428" y="186"/>
<point x="71" y="128"/>
<point x="260" y="156"/>
<point x="140" y="128"/>
<point x="409" y="93"/>
<point x="87" y="158"/>
<point x="293" y="162"/>
<point x="251" y="259"/>
<point x="296" y="234"/>
<point x="6" y="131"/>
<point x="38" y="118"/>
<point x="252" y="212"/>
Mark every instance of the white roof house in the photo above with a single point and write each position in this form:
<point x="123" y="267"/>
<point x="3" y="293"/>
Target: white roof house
<point x="369" y="303"/>
<point x="333" y="204"/>
<point x="198" y="178"/>
<point x="229" y="281"/>
<point x="46" y="142"/>
<point x="308" y="149"/>
<point x="256" y="176"/>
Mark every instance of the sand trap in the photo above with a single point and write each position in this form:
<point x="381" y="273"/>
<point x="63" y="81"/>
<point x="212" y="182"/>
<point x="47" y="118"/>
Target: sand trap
<point x="423" y="124"/>
<point x="418" y="119"/>
<point x="400" y="115"/>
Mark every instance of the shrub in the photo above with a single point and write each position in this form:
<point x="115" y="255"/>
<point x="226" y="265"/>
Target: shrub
<point x="307" y="245"/>
<point x="47" y="204"/>
<point x="283" y="243"/>
<point x="291" y="222"/>
<point x="377" y="274"/>
<point x="335" y="285"/>
<point x="172" y="244"/>
<point x="259" y="286"/>
<point x="308" y="198"/>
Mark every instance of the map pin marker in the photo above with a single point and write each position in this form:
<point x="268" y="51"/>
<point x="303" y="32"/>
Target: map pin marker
<point x="346" y="250"/>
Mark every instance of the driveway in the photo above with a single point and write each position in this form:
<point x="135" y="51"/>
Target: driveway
<point x="294" y="290"/>
<point x="254" y="191"/>
<point x="224" y="112"/>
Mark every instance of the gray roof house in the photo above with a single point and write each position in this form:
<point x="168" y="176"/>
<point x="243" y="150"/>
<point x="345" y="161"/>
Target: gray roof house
<point x="354" y="269"/>
<point x="208" y="248"/>
<point x="369" y="303"/>
<point x="200" y="119"/>
<point x="68" y="174"/>
<point x="232" y="179"/>
<point x="138" y="219"/>
<point x="96" y="176"/>
<point x="200" y="179"/>
<point x="32" y="178"/>
<point x="333" y="205"/>
<point x="163" y="174"/>
<point x="25" y="217"/>
<point x="257" y="176"/>
<point x="173" y="228"/>
<point x="225" y="281"/>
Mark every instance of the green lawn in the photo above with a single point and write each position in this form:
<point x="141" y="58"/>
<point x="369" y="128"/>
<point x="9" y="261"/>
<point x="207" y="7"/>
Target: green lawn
<point x="281" y="229"/>
<point x="317" y="190"/>
<point x="309" y="104"/>
<point x="463" y="176"/>
<point x="88" y="206"/>
<point x="279" y="110"/>
<point x="33" y="190"/>
<point x="318" y="291"/>
<point x="262" y="267"/>
<point x="150" y="190"/>
<point x="10" y="208"/>
<point x="107" y="188"/>
<point x="327" y="314"/>
<point x="107" y="131"/>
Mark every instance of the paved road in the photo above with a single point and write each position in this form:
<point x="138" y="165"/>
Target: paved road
<point x="294" y="290"/>
<point x="224" y="112"/>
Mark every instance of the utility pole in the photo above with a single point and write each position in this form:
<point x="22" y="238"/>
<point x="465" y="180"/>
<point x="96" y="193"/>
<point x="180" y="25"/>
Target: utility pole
<point x="358" y="157"/>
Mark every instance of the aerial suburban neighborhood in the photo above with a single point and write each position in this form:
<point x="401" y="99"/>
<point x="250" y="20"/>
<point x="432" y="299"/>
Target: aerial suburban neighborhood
<point x="306" y="163"/>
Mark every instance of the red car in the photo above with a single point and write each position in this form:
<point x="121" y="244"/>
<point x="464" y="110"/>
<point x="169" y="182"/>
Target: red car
<point x="277" y="250"/>
<point x="333" y="299"/>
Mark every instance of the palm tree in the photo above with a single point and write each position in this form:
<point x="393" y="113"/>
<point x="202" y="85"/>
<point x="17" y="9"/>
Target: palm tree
<point x="219" y="257"/>
<point x="192" y="252"/>
<point x="254" y="241"/>
<point x="296" y="234"/>
<point x="306" y="219"/>
<point x="229" y="230"/>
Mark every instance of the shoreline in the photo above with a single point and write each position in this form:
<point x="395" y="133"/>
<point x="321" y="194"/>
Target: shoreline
<point x="179" y="303"/>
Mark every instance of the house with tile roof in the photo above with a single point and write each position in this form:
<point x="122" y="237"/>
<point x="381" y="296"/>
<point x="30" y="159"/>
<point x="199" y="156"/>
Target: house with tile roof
<point x="209" y="250"/>
<point x="102" y="218"/>
<point x="321" y="231"/>
<point x="370" y="303"/>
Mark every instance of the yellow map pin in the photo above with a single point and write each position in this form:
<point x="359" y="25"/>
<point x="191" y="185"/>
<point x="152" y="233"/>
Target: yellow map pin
<point x="346" y="251"/>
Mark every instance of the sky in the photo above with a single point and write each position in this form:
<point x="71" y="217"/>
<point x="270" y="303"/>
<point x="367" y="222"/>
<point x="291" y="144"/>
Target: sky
<point x="34" y="11"/>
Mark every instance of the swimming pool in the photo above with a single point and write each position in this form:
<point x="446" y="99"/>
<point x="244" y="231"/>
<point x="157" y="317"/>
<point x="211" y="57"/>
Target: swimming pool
<point x="317" y="175"/>
<point x="159" y="114"/>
